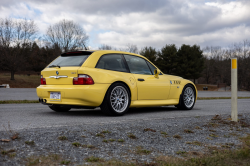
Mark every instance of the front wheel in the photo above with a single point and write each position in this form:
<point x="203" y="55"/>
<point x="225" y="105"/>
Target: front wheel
<point x="59" y="108"/>
<point x="187" y="98"/>
<point x="117" y="100"/>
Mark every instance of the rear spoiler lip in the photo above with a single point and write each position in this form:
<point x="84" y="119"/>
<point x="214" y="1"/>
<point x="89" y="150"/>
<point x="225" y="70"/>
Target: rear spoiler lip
<point x="75" y="53"/>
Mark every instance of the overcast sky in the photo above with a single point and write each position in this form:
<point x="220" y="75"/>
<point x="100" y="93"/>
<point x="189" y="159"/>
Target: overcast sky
<point x="142" y="22"/>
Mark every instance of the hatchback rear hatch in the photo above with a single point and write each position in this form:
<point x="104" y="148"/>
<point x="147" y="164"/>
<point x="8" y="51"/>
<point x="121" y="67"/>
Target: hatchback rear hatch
<point x="64" y="68"/>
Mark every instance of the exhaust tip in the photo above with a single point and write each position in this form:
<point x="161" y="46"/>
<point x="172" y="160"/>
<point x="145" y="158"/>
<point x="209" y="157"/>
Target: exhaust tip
<point x="44" y="100"/>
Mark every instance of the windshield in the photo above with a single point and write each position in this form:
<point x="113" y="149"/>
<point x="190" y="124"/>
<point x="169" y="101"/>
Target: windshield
<point x="63" y="61"/>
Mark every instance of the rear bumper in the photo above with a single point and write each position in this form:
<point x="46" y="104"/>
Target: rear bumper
<point x="78" y="95"/>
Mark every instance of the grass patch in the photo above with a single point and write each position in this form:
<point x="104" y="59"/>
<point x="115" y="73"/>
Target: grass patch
<point x="120" y="140"/>
<point x="94" y="159"/>
<point x="11" y="155"/>
<point x="106" y="141"/>
<point x="105" y="131"/>
<point x="198" y="128"/>
<point x="30" y="142"/>
<point x="100" y="135"/>
<point x="3" y="152"/>
<point x="140" y="150"/>
<point x="148" y="129"/>
<point x="111" y="140"/>
<point x="217" y="98"/>
<point x="65" y="162"/>
<point x="21" y="80"/>
<point x="76" y="144"/>
<point x="164" y="134"/>
<point x="132" y="136"/>
<point x="188" y="131"/>
<point x="177" y="136"/>
<point x="51" y="159"/>
<point x="62" y="138"/>
<point x="18" y="101"/>
<point x="194" y="143"/>
<point x="213" y="135"/>
<point x="181" y="152"/>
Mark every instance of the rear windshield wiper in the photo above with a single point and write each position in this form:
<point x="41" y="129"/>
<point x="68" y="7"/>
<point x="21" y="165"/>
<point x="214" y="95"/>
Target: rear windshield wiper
<point x="54" y="66"/>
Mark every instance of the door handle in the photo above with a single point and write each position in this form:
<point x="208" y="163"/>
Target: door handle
<point x="140" y="79"/>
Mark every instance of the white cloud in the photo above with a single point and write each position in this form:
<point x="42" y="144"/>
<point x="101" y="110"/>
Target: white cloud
<point x="142" y="22"/>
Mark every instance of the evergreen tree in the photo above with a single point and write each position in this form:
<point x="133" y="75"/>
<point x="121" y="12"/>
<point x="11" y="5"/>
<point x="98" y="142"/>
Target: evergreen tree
<point x="150" y="53"/>
<point x="190" y="62"/>
<point x="167" y="59"/>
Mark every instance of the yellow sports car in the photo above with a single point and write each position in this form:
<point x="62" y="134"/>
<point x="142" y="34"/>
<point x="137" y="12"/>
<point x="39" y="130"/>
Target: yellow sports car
<point x="112" y="80"/>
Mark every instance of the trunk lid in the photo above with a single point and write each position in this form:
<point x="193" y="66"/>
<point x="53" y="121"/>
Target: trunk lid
<point x="64" y="77"/>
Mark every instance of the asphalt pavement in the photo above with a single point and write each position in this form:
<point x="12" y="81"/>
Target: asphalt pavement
<point x="25" y="116"/>
<point x="30" y="94"/>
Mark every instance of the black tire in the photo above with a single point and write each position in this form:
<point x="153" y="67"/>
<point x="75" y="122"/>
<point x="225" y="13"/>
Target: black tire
<point x="111" y="106"/>
<point x="59" y="108"/>
<point x="184" y="105"/>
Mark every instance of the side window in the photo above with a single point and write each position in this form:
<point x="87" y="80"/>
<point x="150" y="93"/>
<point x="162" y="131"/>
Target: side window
<point x="112" y="62"/>
<point x="137" y="65"/>
<point x="152" y="68"/>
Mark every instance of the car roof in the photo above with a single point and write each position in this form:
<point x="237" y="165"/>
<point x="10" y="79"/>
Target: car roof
<point x="100" y="51"/>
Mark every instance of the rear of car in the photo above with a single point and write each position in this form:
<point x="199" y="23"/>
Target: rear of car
<point x="62" y="84"/>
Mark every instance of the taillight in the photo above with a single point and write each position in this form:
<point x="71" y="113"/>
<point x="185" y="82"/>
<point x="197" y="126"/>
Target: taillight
<point x="83" y="79"/>
<point x="43" y="81"/>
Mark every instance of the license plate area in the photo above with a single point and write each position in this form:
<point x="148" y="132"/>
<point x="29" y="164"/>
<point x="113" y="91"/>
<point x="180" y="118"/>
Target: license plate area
<point x="55" y="96"/>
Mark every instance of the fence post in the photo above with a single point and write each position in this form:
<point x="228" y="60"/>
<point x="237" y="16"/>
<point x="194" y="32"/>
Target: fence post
<point x="234" y="89"/>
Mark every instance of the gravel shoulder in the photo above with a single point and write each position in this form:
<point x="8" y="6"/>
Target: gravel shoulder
<point x="133" y="141"/>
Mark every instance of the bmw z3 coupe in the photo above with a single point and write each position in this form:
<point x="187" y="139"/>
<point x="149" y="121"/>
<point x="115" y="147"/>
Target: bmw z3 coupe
<point x="111" y="80"/>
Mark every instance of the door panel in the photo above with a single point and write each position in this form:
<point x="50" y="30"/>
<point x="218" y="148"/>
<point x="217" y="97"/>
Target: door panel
<point x="152" y="88"/>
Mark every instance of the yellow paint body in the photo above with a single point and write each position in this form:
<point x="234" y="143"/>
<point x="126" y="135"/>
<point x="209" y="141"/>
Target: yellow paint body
<point x="152" y="92"/>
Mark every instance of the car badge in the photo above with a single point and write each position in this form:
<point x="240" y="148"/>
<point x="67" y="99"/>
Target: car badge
<point x="57" y="72"/>
<point x="170" y="82"/>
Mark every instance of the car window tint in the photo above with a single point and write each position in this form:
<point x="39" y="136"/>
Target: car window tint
<point x="137" y="65"/>
<point x="152" y="67"/>
<point x="112" y="62"/>
<point x="77" y="60"/>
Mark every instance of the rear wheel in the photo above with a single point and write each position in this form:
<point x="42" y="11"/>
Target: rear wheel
<point x="117" y="100"/>
<point x="187" y="98"/>
<point x="59" y="108"/>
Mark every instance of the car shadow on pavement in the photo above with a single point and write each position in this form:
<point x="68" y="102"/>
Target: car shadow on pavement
<point x="98" y="113"/>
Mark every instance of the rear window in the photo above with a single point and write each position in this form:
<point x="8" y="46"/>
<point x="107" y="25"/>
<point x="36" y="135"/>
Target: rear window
<point x="72" y="60"/>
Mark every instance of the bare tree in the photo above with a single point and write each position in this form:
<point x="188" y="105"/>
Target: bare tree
<point x="67" y="35"/>
<point x="132" y="48"/>
<point x="106" y="47"/>
<point x="15" y="37"/>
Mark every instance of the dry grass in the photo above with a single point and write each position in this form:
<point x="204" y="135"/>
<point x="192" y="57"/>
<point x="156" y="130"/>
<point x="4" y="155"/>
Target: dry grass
<point x="214" y="156"/>
<point x="148" y="129"/>
<point x="21" y="80"/>
<point x="177" y="136"/>
<point x="210" y="87"/>
<point x="140" y="150"/>
<point x="132" y="136"/>
<point x="188" y="131"/>
<point x="18" y="101"/>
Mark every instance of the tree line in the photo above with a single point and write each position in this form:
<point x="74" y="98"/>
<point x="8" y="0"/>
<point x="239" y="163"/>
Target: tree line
<point x="22" y="48"/>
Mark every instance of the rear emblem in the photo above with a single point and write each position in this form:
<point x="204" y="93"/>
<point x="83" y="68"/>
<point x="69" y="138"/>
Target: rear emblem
<point x="57" y="72"/>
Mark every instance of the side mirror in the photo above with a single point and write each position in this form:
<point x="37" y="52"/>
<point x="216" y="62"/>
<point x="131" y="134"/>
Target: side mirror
<point x="156" y="73"/>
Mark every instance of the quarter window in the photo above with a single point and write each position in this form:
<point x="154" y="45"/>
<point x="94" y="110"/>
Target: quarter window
<point x="112" y="62"/>
<point x="137" y="65"/>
